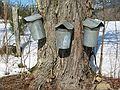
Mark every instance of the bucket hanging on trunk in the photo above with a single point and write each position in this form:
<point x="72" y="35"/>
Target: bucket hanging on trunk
<point x="91" y="32"/>
<point x="64" y="31"/>
<point x="35" y="25"/>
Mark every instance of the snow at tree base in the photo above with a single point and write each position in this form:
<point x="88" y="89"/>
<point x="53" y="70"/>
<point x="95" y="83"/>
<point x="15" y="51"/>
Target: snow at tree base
<point x="111" y="53"/>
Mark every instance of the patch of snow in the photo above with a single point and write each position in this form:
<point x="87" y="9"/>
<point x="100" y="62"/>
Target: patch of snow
<point x="29" y="56"/>
<point x="111" y="53"/>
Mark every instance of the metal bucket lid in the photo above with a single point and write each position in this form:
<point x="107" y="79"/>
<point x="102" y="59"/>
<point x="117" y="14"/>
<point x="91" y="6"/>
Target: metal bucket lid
<point x="67" y="25"/>
<point x="33" y="17"/>
<point x="92" y="23"/>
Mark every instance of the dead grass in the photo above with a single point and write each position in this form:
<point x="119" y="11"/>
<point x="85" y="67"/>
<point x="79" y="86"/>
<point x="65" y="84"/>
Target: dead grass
<point x="15" y="82"/>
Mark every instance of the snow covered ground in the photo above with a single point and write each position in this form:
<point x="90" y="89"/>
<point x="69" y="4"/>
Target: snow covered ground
<point x="111" y="49"/>
<point x="29" y="55"/>
<point x="111" y="53"/>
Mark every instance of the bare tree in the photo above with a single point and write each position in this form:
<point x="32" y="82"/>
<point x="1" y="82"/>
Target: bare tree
<point x="16" y="30"/>
<point x="52" y="71"/>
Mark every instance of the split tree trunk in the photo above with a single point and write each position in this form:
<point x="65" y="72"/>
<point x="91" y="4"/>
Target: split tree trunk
<point x="72" y="72"/>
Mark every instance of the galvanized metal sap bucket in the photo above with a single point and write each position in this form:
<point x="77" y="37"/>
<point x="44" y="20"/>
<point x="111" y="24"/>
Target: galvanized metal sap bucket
<point x="63" y="34"/>
<point x="91" y="32"/>
<point x="35" y="26"/>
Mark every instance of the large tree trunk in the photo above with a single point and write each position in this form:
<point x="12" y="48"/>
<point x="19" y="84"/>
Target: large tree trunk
<point x="53" y="71"/>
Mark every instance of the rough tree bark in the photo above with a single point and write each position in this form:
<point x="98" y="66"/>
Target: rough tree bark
<point x="53" y="72"/>
<point x="16" y="29"/>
